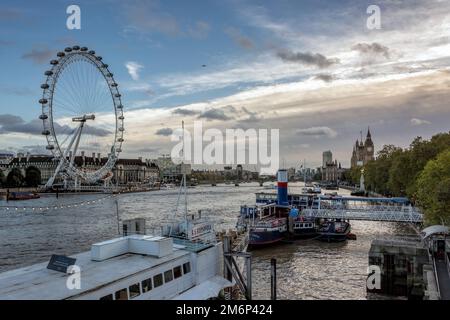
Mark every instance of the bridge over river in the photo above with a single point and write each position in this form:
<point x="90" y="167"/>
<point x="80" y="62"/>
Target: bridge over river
<point x="365" y="208"/>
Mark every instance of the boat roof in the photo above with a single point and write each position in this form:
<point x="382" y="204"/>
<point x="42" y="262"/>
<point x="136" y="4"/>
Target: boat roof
<point x="205" y="290"/>
<point x="432" y="230"/>
<point x="38" y="282"/>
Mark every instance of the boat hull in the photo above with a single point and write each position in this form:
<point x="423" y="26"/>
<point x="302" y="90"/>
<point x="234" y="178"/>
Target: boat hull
<point x="304" y="234"/>
<point x="264" y="238"/>
<point x="332" y="237"/>
<point x="23" y="196"/>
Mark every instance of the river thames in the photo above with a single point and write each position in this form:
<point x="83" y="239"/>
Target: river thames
<point x="307" y="269"/>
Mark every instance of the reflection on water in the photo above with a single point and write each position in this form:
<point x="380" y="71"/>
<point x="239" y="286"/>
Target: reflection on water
<point x="307" y="269"/>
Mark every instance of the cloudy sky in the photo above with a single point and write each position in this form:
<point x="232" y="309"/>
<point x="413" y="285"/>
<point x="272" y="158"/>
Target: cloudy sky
<point x="309" y="68"/>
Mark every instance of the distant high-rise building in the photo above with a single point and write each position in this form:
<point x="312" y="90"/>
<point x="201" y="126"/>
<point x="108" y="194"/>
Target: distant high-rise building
<point x="363" y="152"/>
<point x="327" y="157"/>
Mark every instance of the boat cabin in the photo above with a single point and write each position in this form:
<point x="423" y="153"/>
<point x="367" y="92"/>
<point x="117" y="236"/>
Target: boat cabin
<point x="138" y="267"/>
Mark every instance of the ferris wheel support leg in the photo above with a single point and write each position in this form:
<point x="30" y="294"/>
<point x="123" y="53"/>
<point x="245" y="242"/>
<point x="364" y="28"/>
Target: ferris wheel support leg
<point x="76" y="143"/>
<point x="50" y="181"/>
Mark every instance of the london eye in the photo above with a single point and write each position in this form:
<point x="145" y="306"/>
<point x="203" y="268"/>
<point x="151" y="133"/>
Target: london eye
<point x="82" y="111"/>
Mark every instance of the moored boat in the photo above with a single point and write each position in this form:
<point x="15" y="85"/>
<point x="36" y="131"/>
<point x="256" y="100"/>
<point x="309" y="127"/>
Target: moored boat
<point x="304" y="228"/>
<point x="137" y="267"/>
<point x="22" y="195"/>
<point x="334" y="231"/>
<point x="267" y="231"/>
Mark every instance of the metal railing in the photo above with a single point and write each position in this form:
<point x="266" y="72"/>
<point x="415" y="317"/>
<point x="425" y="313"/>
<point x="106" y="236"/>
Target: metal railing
<point x="371" y="213"/>
<point x="447" y="262"/>
<point x="436" y="277"/>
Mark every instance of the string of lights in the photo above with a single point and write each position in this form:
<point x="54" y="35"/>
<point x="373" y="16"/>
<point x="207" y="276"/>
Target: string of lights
<point x="56" y="206"/>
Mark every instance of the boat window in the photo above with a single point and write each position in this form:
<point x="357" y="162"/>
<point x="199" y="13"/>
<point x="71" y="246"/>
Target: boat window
<point x="158" y="280"/>
<point x="186" y="267"/>
<point x="121" y="294"/>
<point x="134" y="290"/>
<point x="168" y="276"/>
<point x="107" y="297"/>
<point x="146" y="285"/>
<point x="177" y="272"/>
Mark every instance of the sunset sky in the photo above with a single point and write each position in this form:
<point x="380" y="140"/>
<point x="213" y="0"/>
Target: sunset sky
<point x="309" y="68"/>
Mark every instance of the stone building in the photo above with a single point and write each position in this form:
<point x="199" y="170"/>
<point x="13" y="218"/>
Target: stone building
<point x="362" y="152"/>
<point x="332" y="172"/>
<point x="125" y="171"/>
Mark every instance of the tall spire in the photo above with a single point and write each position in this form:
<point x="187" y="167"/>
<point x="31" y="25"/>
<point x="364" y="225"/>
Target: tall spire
<point x="368" y="133"/>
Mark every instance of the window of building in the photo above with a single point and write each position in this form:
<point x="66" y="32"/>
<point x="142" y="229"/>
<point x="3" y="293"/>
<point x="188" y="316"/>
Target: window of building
<point x="107" y="297"/>
<point x="186" y="267"/>
<point x="158" y="280"/>
<point x="177" y="272"/>
<point x="146" y="285"/>
<point x="134" y="290"/>
<point x="168" y="276"/>
<point x="121" y="294"/>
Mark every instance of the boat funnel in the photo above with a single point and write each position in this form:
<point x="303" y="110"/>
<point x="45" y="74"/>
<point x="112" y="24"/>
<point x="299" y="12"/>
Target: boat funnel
<point x="282" y="184"/>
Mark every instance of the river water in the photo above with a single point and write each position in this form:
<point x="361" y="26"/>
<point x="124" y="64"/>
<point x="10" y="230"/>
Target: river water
<point x="307" y="269"/>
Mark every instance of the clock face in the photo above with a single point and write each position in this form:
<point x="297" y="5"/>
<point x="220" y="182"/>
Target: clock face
<point x="369" y="149"/>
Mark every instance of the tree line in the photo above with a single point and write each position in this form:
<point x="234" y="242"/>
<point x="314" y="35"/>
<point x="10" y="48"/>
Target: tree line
<point x="15" y="178"/>
<point x="420" y="172"/>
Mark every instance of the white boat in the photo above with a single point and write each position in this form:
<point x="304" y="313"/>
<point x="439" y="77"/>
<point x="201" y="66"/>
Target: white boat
<point x="137" y="267"/>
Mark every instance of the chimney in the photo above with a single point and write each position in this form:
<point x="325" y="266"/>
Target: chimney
<point x="98" y="157"/>
<point x="93" y="156"/>
<point x="282" y="193"/>
<point x="28" y="156"/>
<point x="83" y="158"/>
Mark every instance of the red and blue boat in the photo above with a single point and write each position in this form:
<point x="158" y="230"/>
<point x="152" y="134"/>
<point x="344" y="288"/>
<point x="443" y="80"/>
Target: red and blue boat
<point x="270" y="222"/>
<point x="19" y="195"/>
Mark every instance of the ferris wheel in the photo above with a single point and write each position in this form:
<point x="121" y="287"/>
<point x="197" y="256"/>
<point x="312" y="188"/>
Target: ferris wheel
<point x="81" y="112"/>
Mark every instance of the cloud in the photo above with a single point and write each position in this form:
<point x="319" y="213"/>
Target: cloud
<point x="14" y="124"/>
<point x="133" y="69"/>
<point x="252" y="116"/>
<point x="307" y="58"/>
<point x="34" y="149"/>
<point x="217" y="114"/>
<point x="148" y="150"/>
<point x="38" y="56"/>
<point x="164" y="132"/>
<point x="200" y="30"/>
<point x="239" y="39"/>
<point x="326" y="77"/>
<point x="9" y="119"/>
<point x="372" y="49"/>
<point x="139" y="87"/>
<point x="99" y="132"/>
<point x="185" y="112"/>
<point x="419" y="122"/>
<point x="318" y="132"/>
<point x="147" y="17"/>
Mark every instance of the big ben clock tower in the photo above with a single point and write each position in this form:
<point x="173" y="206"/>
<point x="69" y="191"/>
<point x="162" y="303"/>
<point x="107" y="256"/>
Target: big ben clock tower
<point x="368" y="146"/>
